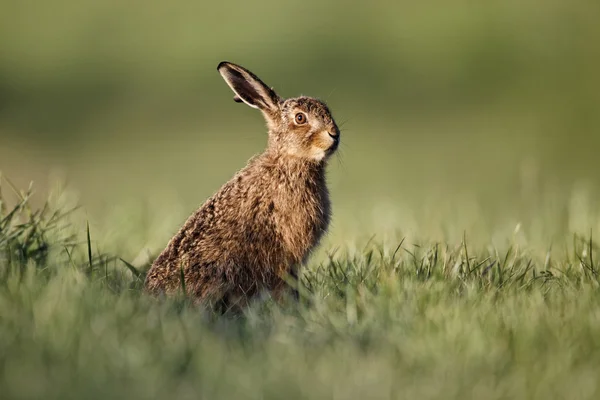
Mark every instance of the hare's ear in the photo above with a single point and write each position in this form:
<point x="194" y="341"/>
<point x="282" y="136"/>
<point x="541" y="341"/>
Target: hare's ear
<point x="248" y="88"/>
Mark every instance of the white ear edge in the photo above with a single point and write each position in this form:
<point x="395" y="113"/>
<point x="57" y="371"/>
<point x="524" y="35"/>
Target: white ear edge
<point x="225" y="75"/>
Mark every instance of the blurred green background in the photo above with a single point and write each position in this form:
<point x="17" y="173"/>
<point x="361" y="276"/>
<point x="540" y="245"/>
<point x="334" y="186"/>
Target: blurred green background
<point x="455" y="115"/>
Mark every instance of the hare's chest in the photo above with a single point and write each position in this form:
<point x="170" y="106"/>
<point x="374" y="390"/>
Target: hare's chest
<point x="301" y="219"/>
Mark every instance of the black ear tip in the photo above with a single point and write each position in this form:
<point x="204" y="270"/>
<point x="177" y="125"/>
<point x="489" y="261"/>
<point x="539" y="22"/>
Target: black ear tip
<point x="237" y="99"/>
<point x="222" y="64"/>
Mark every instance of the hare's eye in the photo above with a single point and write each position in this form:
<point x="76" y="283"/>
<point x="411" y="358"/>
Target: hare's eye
<point x="300" y="118"/>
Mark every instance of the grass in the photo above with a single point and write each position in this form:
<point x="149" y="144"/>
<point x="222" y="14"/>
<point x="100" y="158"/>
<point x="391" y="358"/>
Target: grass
<point x="414" y="320"/>
<point x="460" y="122"/>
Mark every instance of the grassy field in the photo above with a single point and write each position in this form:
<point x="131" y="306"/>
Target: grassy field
<point x="401" y="319"/>
<point x="462" y="260"/>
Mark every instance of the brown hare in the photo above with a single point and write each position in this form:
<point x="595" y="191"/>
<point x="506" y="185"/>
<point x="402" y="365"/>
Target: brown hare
<point x="261" y="226"/>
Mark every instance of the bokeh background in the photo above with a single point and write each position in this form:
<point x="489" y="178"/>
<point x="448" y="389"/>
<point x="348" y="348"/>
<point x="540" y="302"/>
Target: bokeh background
<point x="456" y="116"/>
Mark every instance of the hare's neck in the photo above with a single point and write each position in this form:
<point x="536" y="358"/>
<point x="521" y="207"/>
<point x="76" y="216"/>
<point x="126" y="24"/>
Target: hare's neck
<point x="298" y="170"/>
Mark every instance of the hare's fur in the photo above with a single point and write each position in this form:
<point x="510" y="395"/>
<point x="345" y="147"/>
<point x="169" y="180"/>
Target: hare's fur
<point x="262" y="224"/>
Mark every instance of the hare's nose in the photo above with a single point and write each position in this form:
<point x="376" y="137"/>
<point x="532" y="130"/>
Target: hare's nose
<point x="334" y="135"/>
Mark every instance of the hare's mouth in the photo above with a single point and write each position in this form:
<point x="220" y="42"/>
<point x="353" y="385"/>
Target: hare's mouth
<point x="334" y="145"/>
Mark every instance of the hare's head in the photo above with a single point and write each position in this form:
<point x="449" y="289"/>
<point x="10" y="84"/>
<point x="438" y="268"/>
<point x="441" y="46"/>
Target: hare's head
<point x="301" y="126"/>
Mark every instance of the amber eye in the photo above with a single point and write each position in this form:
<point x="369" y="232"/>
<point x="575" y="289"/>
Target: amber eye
<point x="300" y="118"/>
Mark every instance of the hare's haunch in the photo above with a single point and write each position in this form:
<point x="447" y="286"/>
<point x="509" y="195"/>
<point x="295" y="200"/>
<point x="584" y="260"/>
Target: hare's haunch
<point x="262" y="224"/>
